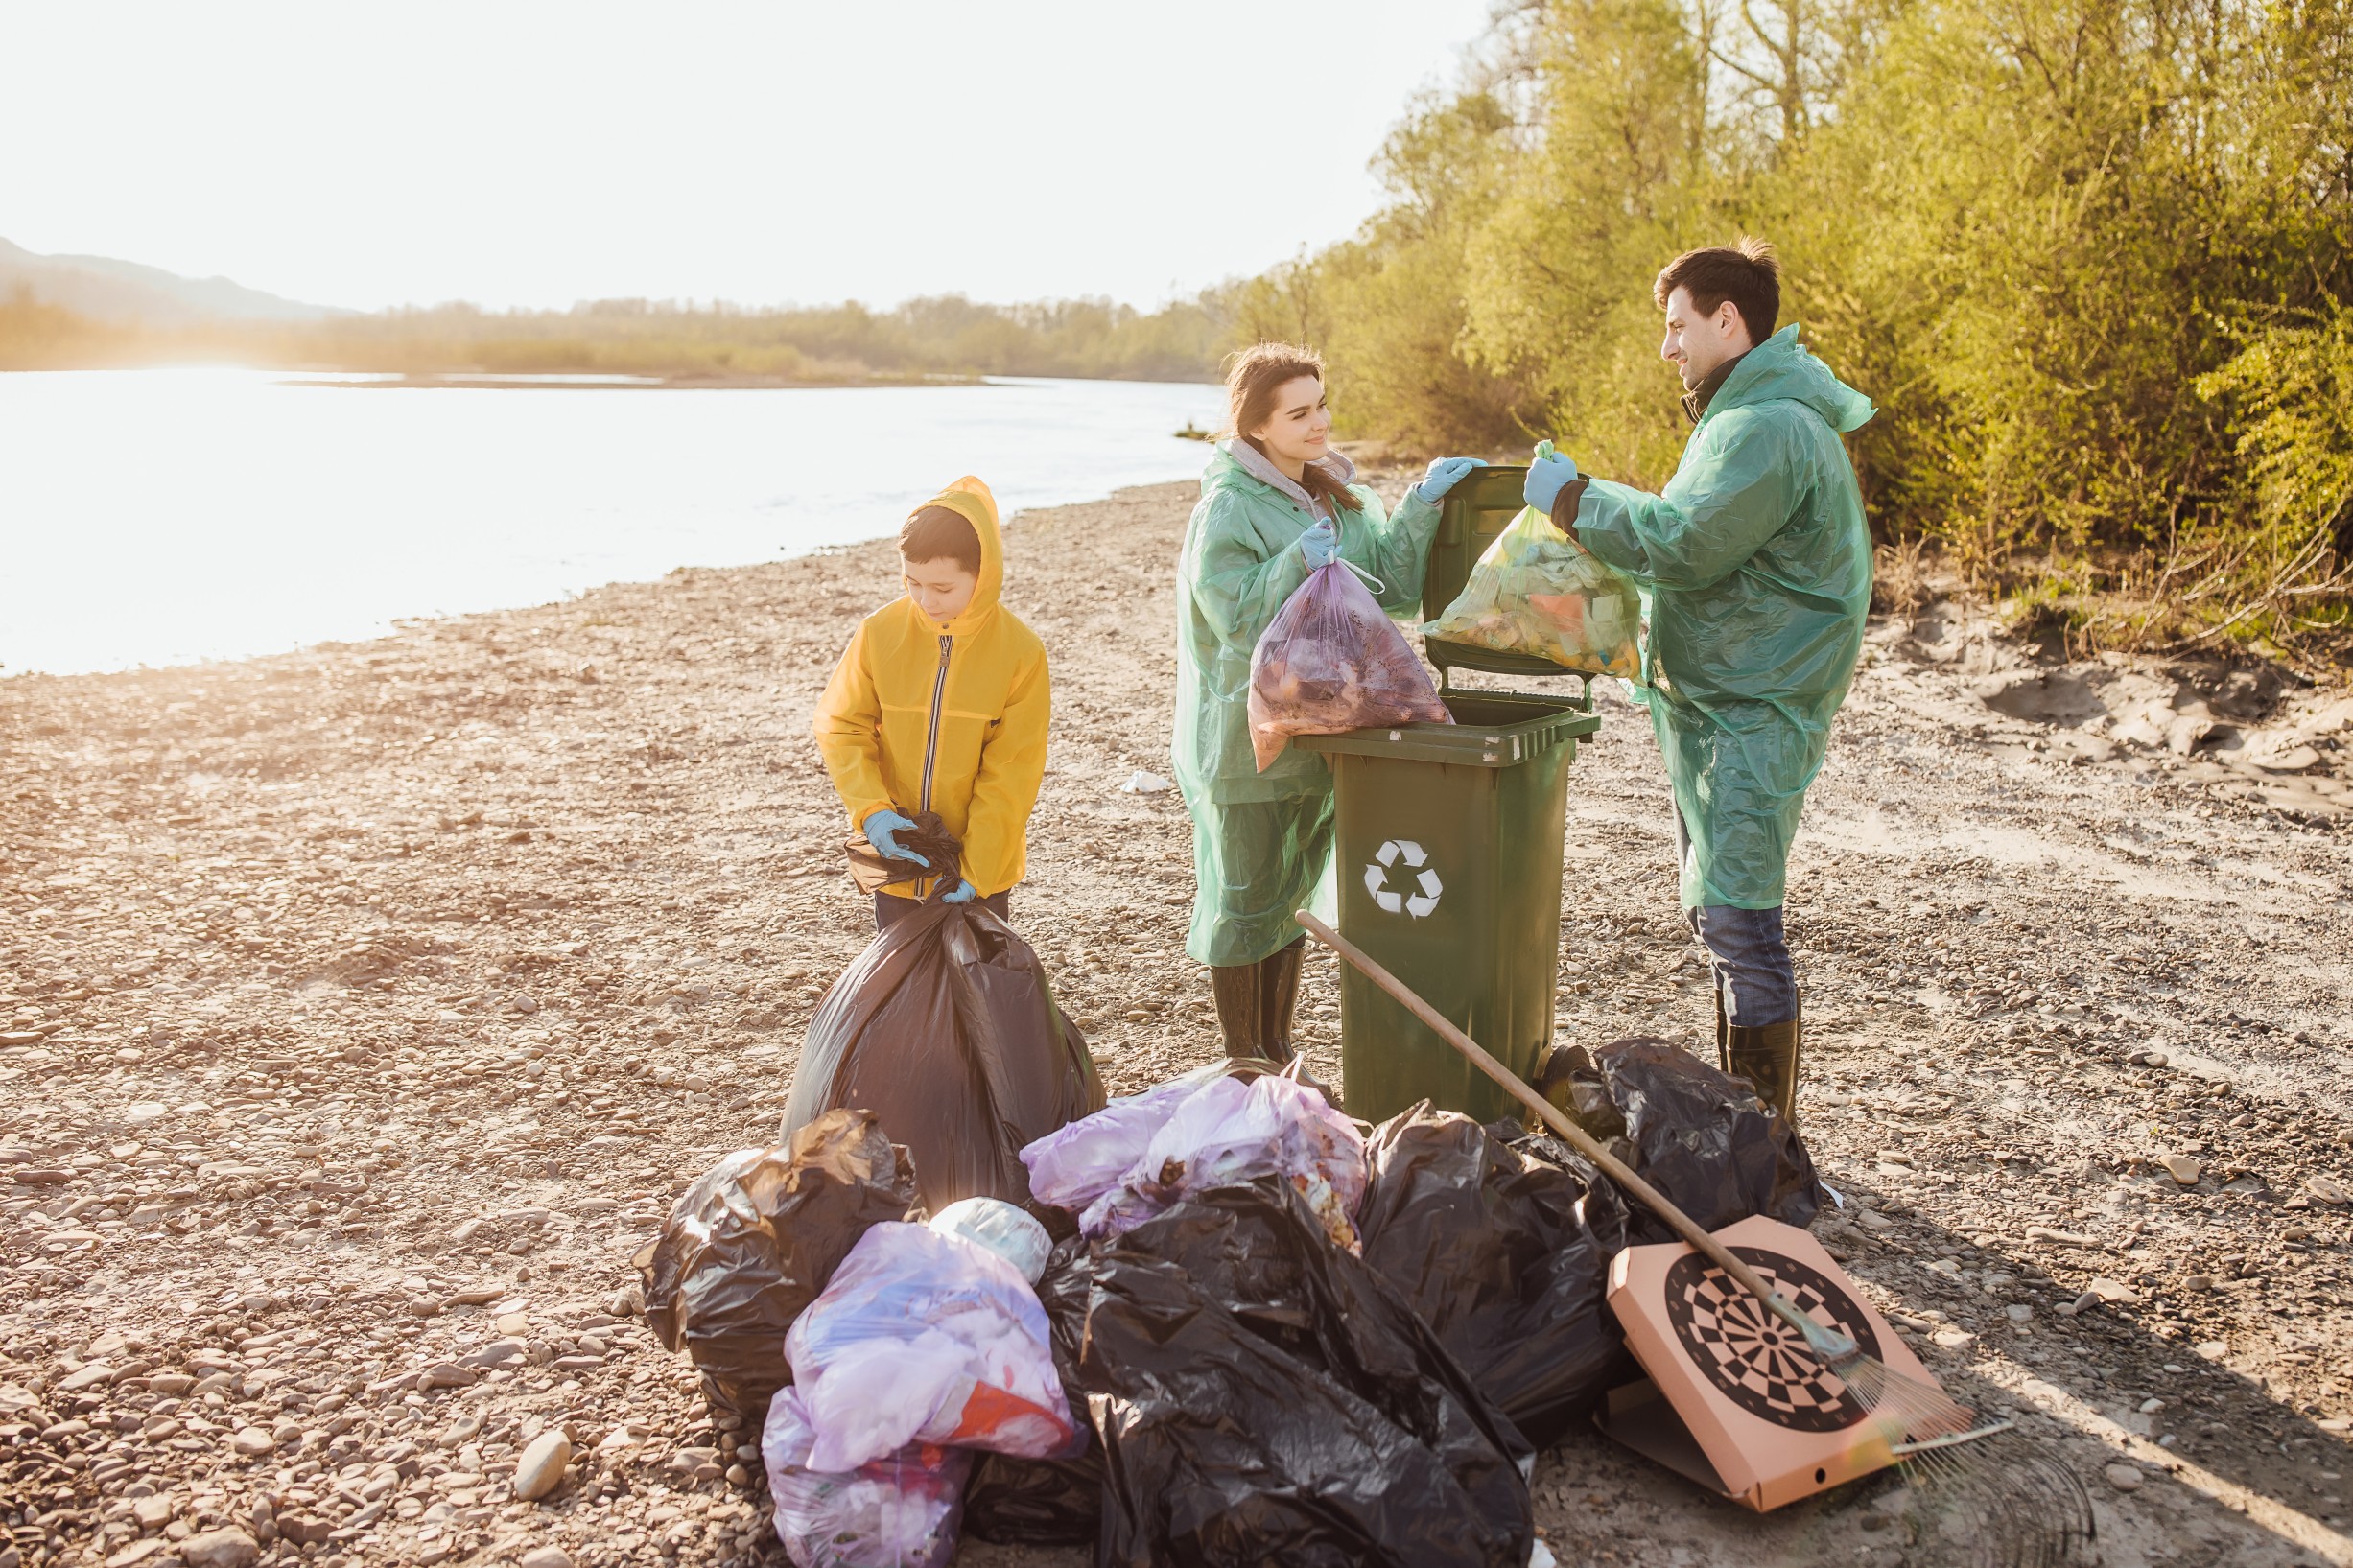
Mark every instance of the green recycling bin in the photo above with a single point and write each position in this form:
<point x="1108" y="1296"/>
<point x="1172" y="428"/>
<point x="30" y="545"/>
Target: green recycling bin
<point x="1448" y="846"/>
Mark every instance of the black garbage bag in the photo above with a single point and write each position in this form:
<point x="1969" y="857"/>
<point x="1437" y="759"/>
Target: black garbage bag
<point x="942" y="852"/>
<point x="1503" y="1244"/>
<point x="945" y="1028"/>
<point x="753" y="1242"/>
<point x="1047" y="1502"/>
<point x="1262" y="1397"/>
<point x="1703" y="1139"/>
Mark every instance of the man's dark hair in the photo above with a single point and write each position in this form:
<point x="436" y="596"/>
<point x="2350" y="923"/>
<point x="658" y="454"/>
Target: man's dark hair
<point x="941" y="533"/>
<point x="1748" y="274"/>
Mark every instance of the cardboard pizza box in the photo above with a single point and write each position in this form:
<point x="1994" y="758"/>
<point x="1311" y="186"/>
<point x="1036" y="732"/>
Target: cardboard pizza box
<point x="1735" y="1400"/>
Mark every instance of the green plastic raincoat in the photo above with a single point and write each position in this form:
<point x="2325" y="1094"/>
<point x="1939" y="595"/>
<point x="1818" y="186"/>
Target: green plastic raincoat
<point x="1262" y="841"/>
<point x="1758" y="561"/>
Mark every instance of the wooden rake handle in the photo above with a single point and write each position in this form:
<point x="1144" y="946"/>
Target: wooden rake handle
<point x="1568" y="1131"/>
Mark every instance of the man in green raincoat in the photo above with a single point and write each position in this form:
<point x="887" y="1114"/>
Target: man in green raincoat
<point x="1758" y="563"/>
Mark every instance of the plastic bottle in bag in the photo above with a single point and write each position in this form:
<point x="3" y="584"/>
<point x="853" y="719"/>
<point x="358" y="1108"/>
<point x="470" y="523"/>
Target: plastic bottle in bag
<point x="1333" y="661"/>
<point x="1537" y="591"/>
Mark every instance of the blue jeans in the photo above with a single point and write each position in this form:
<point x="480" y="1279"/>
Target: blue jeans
<point x="1748" y="955"/>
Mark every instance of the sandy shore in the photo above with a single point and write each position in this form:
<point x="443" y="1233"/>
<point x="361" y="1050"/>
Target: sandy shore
<point x="367" y="1005"/>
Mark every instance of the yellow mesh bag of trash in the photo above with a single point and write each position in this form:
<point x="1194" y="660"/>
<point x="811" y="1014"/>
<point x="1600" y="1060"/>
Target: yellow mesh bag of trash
<point x="1537" y="591"/>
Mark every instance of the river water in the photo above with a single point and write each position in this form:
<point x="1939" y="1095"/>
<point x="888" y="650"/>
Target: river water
<point x="154" y="517"/>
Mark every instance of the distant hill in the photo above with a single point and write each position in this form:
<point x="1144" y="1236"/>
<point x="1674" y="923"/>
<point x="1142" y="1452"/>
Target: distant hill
<point x="101" y="289"/>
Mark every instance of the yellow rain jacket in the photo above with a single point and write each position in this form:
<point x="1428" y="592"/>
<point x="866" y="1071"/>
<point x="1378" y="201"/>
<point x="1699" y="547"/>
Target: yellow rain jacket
<point x="950" y="717"/>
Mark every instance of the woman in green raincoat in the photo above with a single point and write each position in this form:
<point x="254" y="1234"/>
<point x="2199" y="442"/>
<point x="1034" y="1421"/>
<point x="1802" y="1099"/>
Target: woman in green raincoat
<point x="1757" y="560"/>
<point x="1276" y="502"/>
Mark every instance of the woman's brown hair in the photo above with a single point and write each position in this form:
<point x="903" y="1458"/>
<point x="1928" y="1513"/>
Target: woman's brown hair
<point x="1253" y="377"/>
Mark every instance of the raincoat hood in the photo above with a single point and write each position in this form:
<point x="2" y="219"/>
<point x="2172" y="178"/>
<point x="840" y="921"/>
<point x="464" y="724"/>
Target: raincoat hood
<point x="1236" y="459"/>
<point x="970" y="500"/>
<point x="1781" y="368"/>
<point x="953" y="718"/>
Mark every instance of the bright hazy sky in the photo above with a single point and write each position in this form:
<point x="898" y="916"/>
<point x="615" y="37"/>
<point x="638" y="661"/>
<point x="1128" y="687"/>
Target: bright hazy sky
<point x="520" y="153"/>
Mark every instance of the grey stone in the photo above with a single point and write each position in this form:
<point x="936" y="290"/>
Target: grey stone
<point x="541" y="1468"/>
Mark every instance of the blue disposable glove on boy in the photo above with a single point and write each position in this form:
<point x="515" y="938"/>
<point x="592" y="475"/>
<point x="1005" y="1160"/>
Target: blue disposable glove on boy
<point x="1445" y="474"/>
<point x="1320" y="546"/>
<point x="881" y="832"/>
<point x="962" y="893"/>
<point x="1547" y="477"/>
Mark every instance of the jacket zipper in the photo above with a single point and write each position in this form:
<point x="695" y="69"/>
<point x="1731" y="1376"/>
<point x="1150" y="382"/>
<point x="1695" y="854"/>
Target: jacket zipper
<point x="930" y="745"/>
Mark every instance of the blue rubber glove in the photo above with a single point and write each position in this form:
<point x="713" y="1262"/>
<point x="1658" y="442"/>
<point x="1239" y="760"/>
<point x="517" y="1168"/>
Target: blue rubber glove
<point x="1321" y="543"/>
<point x="1445" y="474"/>
<point x="962" y="893"/>
<point x="1547" y="477"/>
<point x="881" y="830"/>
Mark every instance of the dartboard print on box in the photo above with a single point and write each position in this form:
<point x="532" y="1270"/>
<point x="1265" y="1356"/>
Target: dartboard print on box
<point x="1759" y="1361"/>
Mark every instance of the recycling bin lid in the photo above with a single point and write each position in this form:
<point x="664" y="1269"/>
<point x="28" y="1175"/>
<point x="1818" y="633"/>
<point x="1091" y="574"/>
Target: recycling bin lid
<point x="1480" y="506"/>
<point x="1490" y="729"/>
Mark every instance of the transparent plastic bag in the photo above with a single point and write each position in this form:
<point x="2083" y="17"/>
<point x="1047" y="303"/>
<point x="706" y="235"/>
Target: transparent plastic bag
<point x="900" y="1511"/>
<point x="1537" y="591"/>
<point x="1219" y="1132"/>
<point x="1074" y="1165"/>
<point x="1333" y="661"/>
<point x="1049" y="1501"/>
<point x="926" y="1338"/>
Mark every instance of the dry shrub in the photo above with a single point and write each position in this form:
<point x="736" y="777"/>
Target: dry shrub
<point x="1899" y="577"/>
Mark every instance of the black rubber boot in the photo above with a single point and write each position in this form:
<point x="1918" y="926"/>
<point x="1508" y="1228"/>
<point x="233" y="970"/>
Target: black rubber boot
<point x="1236" y="988"/>
<point x="1766" y="1055"/>
<point x="1278" y="998"/>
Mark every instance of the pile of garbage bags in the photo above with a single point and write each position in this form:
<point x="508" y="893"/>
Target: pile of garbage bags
<point x="1264" y="1336"/>
<point x="946" y="1028"/>
<point x="1333" y="661"/>
<point x="1536" y="589"/>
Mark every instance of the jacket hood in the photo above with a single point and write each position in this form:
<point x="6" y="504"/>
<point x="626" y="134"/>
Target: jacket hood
<point x="1782" y="368"/>
<point x="971" y="499"/>
<point x="1236" y="459"/>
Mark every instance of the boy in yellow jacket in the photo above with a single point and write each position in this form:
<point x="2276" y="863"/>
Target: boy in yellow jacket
<point x="940" y="704"/>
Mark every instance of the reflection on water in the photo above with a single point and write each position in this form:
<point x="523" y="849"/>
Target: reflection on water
<point x="156" y="517"/>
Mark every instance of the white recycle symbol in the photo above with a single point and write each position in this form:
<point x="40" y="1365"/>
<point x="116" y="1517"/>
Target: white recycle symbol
<point x="1376" y="879"/>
